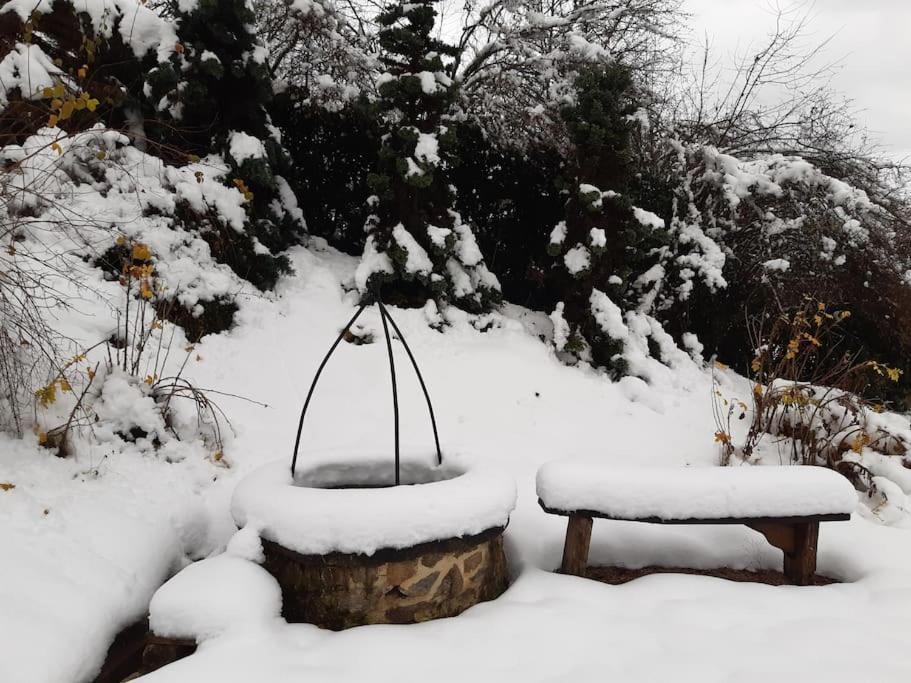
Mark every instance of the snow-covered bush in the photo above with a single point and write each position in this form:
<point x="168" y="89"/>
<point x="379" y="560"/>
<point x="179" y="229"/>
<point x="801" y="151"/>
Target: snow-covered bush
<point x="417" y="245"/>
<point x="812" y="399"/>
<point x="762" y="233"/>
<point x="131" y="390"/>
<point x="72" y="205"/>
<point x="211" y="96"/>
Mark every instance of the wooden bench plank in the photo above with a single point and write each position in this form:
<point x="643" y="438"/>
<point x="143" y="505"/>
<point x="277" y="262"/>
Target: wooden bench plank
<point x="834" y="517"/>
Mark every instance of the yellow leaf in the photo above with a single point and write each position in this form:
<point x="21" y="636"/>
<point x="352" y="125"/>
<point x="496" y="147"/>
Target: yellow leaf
<point x="91" y="104"/>
<point x="52" y="121"/>
<point x="79" y="104"/>
<point x="56" y="103"/>
<point x="59" y="90"/>
<point x="90" y="373"/>
<point x="82" y="71"/>
<point x="47" y="93"/>
<point x="121" y="240"/>
<point x="66" y="111"/>
<point x="141" y="252"/>
<point x="101" y="154"/>
<point x="47" y="395"/>
<point x="145" y="291"/>
<point x="722" y="437"/>
<point x="42" y="438"/>
<point x="150" y="380"/>
<point x="57" y="148"/>
<point x="65" y="385"/>
<point x="6" y="486"/>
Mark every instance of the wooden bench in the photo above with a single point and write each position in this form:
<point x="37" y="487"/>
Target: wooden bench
<point x="784" y="504"/>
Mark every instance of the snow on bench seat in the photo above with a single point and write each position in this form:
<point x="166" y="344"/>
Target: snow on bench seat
<point x="693" y="493"/>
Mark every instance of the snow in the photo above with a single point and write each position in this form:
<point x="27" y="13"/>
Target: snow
<point x="778" y="264"/>
<point x="242" y="146"/>
<point x="428" y="81"/>
<point x="597" y="237"/>
<point x="119" y="525"/>
<point x="558" y="234"/>
<point x="85" y="544"/>
<point x="591" y="193"/>
<point x="28" y="69"/>
<point x="427" y="148"/>
<point x="648" y="219"/>
<point x="417" y="262"/>
<point x="673" y="493"/>
<point x="312" y="519"/>
<point x="438" y="235"/>
<point x="372" y="262"/>
<point x="467" y="249"/>
<point x="608" y="315"/>
<point x="561" y="327"/>
<point x="215" y="596"/>
<point x="577" y="260"/>
<point x="140" y="28"/>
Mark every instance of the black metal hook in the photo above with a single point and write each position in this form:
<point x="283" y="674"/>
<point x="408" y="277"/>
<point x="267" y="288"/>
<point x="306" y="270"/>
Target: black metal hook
<point x="387" y="320"/>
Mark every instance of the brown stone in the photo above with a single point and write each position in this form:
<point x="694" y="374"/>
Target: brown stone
<point x="472" y="562"/>
<point x="421" y="586"/>
<point x="431" y="559"/>
<point x="398" y="573"/>
<point x="340" y="591"/>
<point x="452" y="583"/>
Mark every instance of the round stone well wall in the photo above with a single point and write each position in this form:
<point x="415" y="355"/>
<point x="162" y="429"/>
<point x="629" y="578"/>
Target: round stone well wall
<point x="428" y="581"/>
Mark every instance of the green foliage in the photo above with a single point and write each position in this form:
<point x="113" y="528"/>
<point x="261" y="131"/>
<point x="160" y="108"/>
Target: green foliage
<point x="412" y="227"/>
<point x="216" y="87"/>
<point x="600" y="217"/>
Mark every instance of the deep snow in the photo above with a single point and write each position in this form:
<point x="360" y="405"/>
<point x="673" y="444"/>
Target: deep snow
<point x="90" y="565"/>
<point x="674" y="493"/>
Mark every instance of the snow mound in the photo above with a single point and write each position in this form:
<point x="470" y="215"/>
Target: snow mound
<point x="322" y="512"/>
<point x="674" y="493"/>
<point x="213" y="596"/>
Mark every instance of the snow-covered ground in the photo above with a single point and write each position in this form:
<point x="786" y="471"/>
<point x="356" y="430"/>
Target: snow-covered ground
<point x="85" y="544"/>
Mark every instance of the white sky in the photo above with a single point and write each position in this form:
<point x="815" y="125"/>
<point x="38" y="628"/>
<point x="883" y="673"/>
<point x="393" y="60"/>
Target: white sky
<point x="871" y="41"/>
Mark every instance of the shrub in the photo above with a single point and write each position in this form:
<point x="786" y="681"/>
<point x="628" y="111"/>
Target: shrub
<point x="814" y="398"/>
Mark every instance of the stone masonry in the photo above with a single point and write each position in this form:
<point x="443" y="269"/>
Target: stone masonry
<point x="430" y="581"/>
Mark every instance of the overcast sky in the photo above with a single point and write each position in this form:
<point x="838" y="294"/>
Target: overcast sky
<point x="871" y="39"/>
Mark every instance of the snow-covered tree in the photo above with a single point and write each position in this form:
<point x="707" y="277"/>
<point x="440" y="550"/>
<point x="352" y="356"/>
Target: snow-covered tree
<point x="519" y="59"/>
<point x="316" y="50"/>
<point x="415" y="239"/>
<point x="212" y="96"/>
<point x="608" y="249"/>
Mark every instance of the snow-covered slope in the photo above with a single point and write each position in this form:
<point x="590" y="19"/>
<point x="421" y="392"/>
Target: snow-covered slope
<point x="116" y="527"/>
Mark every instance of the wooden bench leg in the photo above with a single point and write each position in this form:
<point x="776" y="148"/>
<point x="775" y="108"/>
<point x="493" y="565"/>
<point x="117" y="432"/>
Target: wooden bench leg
<point x="575" y="549"/>
<point x="800" y="564"/>
<point x="798" y="543"/>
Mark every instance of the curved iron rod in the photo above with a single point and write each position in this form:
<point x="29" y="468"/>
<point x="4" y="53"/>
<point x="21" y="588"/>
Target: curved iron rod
<point x="414" y="363"/>
<point x="300" y="425"/>
<point x="395" y="393"/>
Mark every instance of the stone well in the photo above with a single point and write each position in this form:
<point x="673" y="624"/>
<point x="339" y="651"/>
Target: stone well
<point x="429" y="581"/>
<point x="348" y="549"/>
